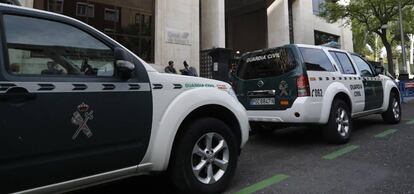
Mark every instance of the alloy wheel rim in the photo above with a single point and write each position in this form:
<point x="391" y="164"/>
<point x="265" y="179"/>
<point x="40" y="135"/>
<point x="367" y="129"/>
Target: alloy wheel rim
<point x="210" y="158"/>
<point x="342" y="121"/>
<point x="396" y="109"/>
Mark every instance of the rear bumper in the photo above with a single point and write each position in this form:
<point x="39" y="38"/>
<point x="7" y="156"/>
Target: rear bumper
<point x="308" y="110"/>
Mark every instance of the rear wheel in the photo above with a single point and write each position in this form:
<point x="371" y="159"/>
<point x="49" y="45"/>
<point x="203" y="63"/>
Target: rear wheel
<point x="393" y="113"/>
<point x="339" y="127"/>
<point x="205" y="158"/>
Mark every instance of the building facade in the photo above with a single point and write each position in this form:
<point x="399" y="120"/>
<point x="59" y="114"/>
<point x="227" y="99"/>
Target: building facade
<point x="163" y="30"/>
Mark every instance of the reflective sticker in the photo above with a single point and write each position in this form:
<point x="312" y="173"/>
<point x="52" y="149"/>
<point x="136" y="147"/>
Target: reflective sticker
<point x="80" y="118"/>
<point x="317" y="93"/>
<point x="221" y="87"/>
<point x="198" y="85"/>
<point x="76" y="87"/>
<point x="177" y="86"/>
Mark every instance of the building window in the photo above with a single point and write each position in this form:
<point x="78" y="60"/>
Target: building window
<point x="85" y="10"/>
<point x="323" y="38"/>
<point x="111" y="15"/>
<point x="55" y="6"/>
<point x="138" y="19"/>
<point x="316" y="4"/>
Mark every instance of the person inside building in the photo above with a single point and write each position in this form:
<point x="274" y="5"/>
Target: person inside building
<point x="170" y="68"/>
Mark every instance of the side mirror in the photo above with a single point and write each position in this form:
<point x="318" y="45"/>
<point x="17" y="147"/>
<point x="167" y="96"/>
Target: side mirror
<point x="379" y="70"/>
<point x="125" y="69"/>
<point x="124" y="66"/>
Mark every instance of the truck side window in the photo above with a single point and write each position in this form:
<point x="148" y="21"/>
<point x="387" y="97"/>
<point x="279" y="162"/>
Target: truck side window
<point x="363" y="66"/>
<point x="316" y="60"/>
<point x="343" y="62"/>
<point x="43" y="47"/>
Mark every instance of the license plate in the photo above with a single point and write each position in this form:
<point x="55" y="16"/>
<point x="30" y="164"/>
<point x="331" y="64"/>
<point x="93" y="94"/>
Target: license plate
<point x="262" y="101"/>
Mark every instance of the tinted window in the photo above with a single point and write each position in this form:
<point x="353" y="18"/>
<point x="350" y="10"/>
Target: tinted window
<point x="316" y="60"/>
<point x="363" y="66"/>
<point x="42" y="47"/>
<point x="270" y="63"/>
<point x="343" y="62"/>
<point x="130" y="22"/>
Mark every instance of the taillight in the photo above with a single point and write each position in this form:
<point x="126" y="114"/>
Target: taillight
<point x="303" y="86"/>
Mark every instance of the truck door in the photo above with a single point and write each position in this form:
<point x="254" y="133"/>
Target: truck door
<point x="64" y="112"/>
<point x="374" y="93"/>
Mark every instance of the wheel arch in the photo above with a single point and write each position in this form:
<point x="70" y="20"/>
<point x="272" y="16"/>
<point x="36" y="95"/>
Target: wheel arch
<point x="215" y="111"/>
<point x="396" y="91"/>
<point x="204" y="102"/>
<point x="390" y="87"/>
<point x="334" y="91"/>
<point x="344" y="97"/>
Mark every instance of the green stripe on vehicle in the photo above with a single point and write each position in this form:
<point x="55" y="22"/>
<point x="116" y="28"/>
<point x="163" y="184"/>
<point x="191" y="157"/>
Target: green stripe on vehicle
<point x="263" y="184"/>
<point x="340" y="152"/>
<point x="386" y="133"/>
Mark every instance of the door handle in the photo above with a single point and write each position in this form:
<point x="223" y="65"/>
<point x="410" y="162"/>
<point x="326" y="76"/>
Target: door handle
<point x="17" y="95"/>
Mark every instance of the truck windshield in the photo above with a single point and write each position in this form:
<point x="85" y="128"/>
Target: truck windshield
<point x="267" y="63"/>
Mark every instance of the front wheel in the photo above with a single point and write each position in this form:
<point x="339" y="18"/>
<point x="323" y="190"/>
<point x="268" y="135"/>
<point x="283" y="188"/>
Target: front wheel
<point x="339" y="127"/>
<point x="205" y="157"/>
<point x="393" y="113"/>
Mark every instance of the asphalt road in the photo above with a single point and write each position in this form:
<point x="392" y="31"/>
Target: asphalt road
<point x="378" y="159"/>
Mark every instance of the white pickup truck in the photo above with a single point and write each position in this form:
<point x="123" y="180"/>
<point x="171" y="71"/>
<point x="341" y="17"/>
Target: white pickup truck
<point x="78" y="109"/>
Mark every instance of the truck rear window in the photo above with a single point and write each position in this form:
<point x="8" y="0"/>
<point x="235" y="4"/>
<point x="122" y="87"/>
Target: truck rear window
<point x="268" y="63"/>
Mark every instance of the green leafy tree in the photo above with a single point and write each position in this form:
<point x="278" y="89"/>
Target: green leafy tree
<point x="374" y="15"/>
<point x="360" y="36"/>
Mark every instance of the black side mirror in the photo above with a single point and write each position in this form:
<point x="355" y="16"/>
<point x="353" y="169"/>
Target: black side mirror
<point x="125" y="68"/>
<point x="379" y="70"/>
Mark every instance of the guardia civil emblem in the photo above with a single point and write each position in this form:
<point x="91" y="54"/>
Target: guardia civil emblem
<point x="283" y="87"/>
<point x="80" y="118"/>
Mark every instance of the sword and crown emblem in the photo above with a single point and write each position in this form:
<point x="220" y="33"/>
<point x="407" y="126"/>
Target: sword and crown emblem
<point x="283" y="87"/>
<point x="80" y="118"/>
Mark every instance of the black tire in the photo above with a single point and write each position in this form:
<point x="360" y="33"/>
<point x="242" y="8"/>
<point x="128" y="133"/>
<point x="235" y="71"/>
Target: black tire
<point x="389" y="116"/>
<point x="181" y="166"/>
<point x="333" y="131"/>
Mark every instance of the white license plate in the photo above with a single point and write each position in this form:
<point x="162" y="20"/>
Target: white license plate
<point x="262" y="101"/>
